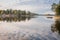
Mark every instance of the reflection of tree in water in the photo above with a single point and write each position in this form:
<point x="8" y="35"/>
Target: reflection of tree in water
<point x="56" y="27"/>
<point x="18" y="18"/>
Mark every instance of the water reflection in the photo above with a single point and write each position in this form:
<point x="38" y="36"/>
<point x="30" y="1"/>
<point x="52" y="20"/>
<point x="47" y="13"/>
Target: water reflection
<point x="15" y="19"/>
<point x="56" y="26"/>
<point x="29" y="30"/>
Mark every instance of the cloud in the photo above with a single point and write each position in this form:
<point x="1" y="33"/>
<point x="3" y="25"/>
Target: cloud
<point x="32" y="5"/>
<point x="24" y="7"/>
<point x="31" y="8"/>
<point x="29" y="5"/>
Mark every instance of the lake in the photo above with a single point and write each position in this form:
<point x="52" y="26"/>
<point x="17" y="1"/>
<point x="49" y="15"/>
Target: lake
<point x="30" y="28"/>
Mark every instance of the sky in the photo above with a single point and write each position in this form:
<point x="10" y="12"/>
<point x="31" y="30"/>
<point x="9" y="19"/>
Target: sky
<point x="36" y="6"/>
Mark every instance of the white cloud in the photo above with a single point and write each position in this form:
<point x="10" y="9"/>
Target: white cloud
<point x="7" y="4"/>
<point x="24" y="7"/>
<point x="32" y="8"/>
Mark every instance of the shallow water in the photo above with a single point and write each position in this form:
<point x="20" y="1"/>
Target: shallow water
<point x="39" y="28"/>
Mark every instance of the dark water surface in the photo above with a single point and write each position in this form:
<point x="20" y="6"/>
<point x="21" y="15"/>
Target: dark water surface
<point x="27" y="28"/>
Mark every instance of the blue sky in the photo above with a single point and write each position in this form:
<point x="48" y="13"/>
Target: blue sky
<point x="37" y="6"/>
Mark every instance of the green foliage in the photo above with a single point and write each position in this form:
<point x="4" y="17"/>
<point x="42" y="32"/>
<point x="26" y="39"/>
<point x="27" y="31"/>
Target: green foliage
<point x="16" y="12"/>
<point x="56" y="8"/>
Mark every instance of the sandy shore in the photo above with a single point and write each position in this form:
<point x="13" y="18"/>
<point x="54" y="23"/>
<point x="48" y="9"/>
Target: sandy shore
<point x="57" y="17"/>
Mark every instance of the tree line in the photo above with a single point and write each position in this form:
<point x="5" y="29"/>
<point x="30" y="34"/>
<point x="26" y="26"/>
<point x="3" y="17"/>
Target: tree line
<point x="16" y="12"/>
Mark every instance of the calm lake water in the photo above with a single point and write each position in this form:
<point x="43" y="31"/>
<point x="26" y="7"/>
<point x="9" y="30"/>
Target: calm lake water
<point x="37" y="28"/>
